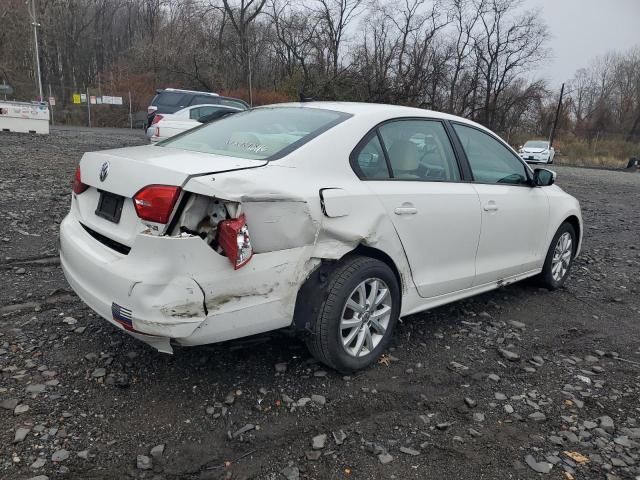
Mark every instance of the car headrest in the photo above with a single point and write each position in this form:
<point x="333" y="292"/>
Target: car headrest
<point x="403" y="155"/>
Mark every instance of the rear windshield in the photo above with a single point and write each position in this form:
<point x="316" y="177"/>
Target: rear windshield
<point x="265" y="133"/>
<point x="169" y="99"/>
<point x="536" y="144"/>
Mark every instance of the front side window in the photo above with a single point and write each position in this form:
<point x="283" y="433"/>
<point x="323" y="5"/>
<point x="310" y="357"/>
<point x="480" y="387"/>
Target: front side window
<point x="264" y="133"/>
<point x="490" y="160"/>
<point x="419" y="150"/>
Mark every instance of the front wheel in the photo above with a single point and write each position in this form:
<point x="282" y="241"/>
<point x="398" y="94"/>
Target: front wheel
<point x="357" y="317"/>
<point x="559" y="259"/>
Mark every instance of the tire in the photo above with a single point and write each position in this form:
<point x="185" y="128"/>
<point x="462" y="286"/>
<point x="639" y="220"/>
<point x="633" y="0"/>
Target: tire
<point x="550" y="277"/>
<point x="333" y="327"/>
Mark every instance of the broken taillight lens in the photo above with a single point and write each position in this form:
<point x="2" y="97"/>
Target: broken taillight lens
<point x="155" y="203"/>
<point x="77" y="186"/>
<point x="234" y="239"/>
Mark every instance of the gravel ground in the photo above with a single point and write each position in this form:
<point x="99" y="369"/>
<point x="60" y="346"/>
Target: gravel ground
<point x="80" y="399"/>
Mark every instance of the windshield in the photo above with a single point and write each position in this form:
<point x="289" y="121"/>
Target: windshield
<point x="536" y="144"/>
<point x="265" y="133"/>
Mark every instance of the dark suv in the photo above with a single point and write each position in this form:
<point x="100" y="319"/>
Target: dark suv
<point x="170" y="100"/>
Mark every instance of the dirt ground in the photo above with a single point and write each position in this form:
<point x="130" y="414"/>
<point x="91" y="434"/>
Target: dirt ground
<point x="79" y="399"/>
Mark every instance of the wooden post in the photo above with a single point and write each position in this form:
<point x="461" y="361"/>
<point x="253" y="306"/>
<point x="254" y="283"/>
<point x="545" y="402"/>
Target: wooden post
<point x="555" y="121"/>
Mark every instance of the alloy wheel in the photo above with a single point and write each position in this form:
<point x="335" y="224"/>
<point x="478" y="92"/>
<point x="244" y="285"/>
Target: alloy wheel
<point x="365" y="317"/>
<point x="562" y="257"/>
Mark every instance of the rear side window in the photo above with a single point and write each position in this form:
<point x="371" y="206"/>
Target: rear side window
<point x="370" y="160"/>
<point x="203" y="99"/>
<point x="229" y="102"/>
<point x="168" y="99"/>
<point x="420" y="150"/>
<point x="490" y="160"/>
<point x="199" y="112"/>
<point x="260" y="134"/>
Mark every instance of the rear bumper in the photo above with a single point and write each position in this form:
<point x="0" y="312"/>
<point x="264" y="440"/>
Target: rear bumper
<point x="178" y="288"/>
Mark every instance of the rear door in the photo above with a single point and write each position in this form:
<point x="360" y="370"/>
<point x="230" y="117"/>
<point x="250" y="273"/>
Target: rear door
<point x="411" y="166"/>
<point x="514" y="214"/>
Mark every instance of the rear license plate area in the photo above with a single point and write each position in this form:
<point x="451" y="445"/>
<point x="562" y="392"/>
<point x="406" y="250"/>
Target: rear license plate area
<point x="110" y="206"/>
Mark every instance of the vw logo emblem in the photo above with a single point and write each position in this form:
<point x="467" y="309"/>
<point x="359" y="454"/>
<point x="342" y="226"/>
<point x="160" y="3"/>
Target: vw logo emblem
<point x="104" y="171"/>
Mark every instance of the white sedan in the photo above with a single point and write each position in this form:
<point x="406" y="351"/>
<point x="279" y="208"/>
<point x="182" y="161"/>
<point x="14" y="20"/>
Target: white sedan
<point x="537" y="151"/>
<point x="167" y="125"/>
<point x="330" y="219"/>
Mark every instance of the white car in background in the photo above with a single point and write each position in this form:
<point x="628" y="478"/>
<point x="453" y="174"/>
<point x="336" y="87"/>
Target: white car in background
<point x="167" y="125"/>
<point x="331" y="219"/>
<point x="537" y="151"/>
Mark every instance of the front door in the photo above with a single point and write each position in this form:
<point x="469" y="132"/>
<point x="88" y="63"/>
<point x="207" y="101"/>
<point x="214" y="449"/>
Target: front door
<point x="514" y="214"/>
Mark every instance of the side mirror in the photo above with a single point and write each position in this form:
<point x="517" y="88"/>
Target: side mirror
<point x="543" y="177"/>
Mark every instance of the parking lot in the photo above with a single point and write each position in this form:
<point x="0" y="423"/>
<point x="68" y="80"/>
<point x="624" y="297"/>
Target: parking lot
<point x="516" y="383"/>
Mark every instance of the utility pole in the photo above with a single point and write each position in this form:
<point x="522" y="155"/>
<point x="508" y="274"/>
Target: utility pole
<point x="130" y="112"/>
<point x="89" y="107"/>
<point x="250" y="89"/>
<point x="51" y="106"/>
<point x="555" y="121"/>
<point x="35" y="45"/>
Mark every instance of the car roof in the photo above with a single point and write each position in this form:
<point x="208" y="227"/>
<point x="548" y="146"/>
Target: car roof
<point x="362" y="108"/>
<point x="219" y="106"/>
<point x="189" y="91"/>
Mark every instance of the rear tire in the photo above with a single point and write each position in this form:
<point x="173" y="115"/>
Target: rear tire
<point x="354" y="325"/>
<point x="559" y="259"/>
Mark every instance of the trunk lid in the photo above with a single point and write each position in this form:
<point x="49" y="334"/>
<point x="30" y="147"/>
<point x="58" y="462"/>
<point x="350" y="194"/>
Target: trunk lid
<point x="128" y="170"/>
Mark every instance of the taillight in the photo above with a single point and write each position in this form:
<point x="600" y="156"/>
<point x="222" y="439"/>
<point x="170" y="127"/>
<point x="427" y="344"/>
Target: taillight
<point x="156" y="118"/>
<point x="233" y="238"/>
<point x="78" y="187"/>
<point x="155" y="203"/>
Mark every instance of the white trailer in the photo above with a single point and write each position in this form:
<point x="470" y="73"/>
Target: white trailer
<point x="24" y="117"/>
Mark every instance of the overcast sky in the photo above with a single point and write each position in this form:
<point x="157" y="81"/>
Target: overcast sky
<point x="583" y="29"/>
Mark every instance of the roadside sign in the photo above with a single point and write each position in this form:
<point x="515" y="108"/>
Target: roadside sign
<point x="76" y="98"/>
<point x="52" y="101"/>
<point x="83" y="98"/>
<point x="6" y="89"/>
<point x="92" y="99"/>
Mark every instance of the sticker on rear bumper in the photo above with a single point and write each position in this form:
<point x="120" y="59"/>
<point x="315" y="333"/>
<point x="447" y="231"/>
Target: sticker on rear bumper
<point x="123" y="316"/>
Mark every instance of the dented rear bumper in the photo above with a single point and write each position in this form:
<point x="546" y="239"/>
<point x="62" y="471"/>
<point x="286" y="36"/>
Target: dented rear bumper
<point x="178" y="289"/>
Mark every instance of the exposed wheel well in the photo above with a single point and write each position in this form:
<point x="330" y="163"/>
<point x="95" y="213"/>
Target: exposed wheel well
<point x="365" y="251"/>
<point x="308" y="298"/>
<point x="575" y="223"/>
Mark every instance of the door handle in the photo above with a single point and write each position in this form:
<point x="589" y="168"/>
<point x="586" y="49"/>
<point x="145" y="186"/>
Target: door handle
<point x="490" y="206"/>
<point x="405" y="209"/>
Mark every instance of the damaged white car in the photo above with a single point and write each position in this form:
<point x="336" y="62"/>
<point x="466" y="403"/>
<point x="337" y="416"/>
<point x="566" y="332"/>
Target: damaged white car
<point x="331" y="219"/>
